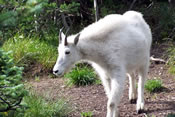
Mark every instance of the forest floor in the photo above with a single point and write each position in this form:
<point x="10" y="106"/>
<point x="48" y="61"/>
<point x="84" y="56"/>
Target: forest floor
<point x="92" y="98"/>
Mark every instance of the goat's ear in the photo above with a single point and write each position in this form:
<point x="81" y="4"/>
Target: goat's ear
<point x="76" y="39"/>
<point x="65" y="41"/>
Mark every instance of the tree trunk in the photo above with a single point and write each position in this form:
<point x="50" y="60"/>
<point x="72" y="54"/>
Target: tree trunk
<point x="96" y="10"/>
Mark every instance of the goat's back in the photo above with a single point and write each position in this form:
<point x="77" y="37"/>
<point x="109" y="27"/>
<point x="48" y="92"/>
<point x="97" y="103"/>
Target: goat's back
<point x="132" y="43"/>
<point x="120" y="39"/>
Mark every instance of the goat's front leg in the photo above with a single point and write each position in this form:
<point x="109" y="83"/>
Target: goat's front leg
<point x="106" y="81"/>
<point x="107" y="84"/>
<point x="117" y="86"/>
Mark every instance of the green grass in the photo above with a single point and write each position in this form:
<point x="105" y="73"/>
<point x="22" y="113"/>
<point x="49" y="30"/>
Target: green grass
<point x="171" y="61"/>
<point x="81" y="75"/>
<point x="171" y="69"/>
<point x="153" y="86"/>
<point x="86" y="114"/>
<point x="153" y="116"/>
<point x="24" y="50"/>
<point x="37" y="106"/>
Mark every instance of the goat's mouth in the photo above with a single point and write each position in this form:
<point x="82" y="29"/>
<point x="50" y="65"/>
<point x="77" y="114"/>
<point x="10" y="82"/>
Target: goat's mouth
<point x="60" y="74"/>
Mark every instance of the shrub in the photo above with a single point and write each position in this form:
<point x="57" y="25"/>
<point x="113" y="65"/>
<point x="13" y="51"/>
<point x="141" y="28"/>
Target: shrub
<point x="81" y="76"/>
<point x="12" y="90"/>
<point x="153" y="85"/>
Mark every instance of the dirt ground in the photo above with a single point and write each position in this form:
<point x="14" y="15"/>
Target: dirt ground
<point x="92" y="98"/>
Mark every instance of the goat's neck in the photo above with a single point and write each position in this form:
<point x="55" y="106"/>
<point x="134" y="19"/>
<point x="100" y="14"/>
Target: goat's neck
<point x="91" y="52"/>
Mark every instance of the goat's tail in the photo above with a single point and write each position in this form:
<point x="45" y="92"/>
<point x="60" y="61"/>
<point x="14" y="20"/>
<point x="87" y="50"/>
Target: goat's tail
<point x="138" y="17"/>
<point x="134" y="15"/>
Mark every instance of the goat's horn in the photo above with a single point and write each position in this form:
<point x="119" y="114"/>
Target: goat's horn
<point x="60" y="37"/>
<point x="65" y="43"/>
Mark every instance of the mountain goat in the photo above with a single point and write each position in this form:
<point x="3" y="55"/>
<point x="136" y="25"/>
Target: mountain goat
<point x="115" y="45"/>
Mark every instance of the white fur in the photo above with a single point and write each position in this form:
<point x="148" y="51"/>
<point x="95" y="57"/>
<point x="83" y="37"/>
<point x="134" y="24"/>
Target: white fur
<point x="115" y="45"/>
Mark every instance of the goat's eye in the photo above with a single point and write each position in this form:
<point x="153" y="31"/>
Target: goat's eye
<point x="67" y="52"/>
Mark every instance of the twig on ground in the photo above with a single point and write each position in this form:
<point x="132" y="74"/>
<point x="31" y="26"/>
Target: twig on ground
<point x="157" y="60"/>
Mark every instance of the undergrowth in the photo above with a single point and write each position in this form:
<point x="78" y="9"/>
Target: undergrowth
<point x="26" y="50"/>
<point x="38" y="106"/>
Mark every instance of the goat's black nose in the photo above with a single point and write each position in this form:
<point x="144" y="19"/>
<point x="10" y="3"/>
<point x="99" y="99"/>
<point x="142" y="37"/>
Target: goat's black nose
<point x="55" y="71"/>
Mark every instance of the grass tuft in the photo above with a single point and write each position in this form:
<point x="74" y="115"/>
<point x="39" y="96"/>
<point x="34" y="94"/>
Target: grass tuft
<point x="153" y="86"/>
<point x="81" y="76"/>
<point x="86" y="114"/>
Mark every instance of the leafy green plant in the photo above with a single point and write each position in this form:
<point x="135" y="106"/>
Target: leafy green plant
<point x="81" y="76"/>
<point x="86" y="114"/>
<point x="12" y="89"/>
<point x="154" y="85"/>
<point x="24" y="50"/>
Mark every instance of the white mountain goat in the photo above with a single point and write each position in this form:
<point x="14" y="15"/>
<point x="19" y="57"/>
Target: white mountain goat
<point x="115" y="45"/>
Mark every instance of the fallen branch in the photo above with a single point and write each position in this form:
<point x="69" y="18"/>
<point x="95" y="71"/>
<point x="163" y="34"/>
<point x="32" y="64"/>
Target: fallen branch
<point x="157" y="60"/>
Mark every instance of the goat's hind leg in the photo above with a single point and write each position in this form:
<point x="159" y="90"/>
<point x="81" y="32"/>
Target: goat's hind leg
<point x="132" y="88"/>
<point x="143" y="71"/>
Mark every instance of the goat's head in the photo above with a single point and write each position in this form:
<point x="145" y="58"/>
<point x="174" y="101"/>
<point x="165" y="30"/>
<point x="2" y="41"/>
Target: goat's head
<point x="68" y="54"/>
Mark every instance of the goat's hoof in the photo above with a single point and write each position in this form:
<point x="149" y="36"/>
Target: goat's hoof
<point x="140" y="111"/>
<point x="133" y="101"/>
